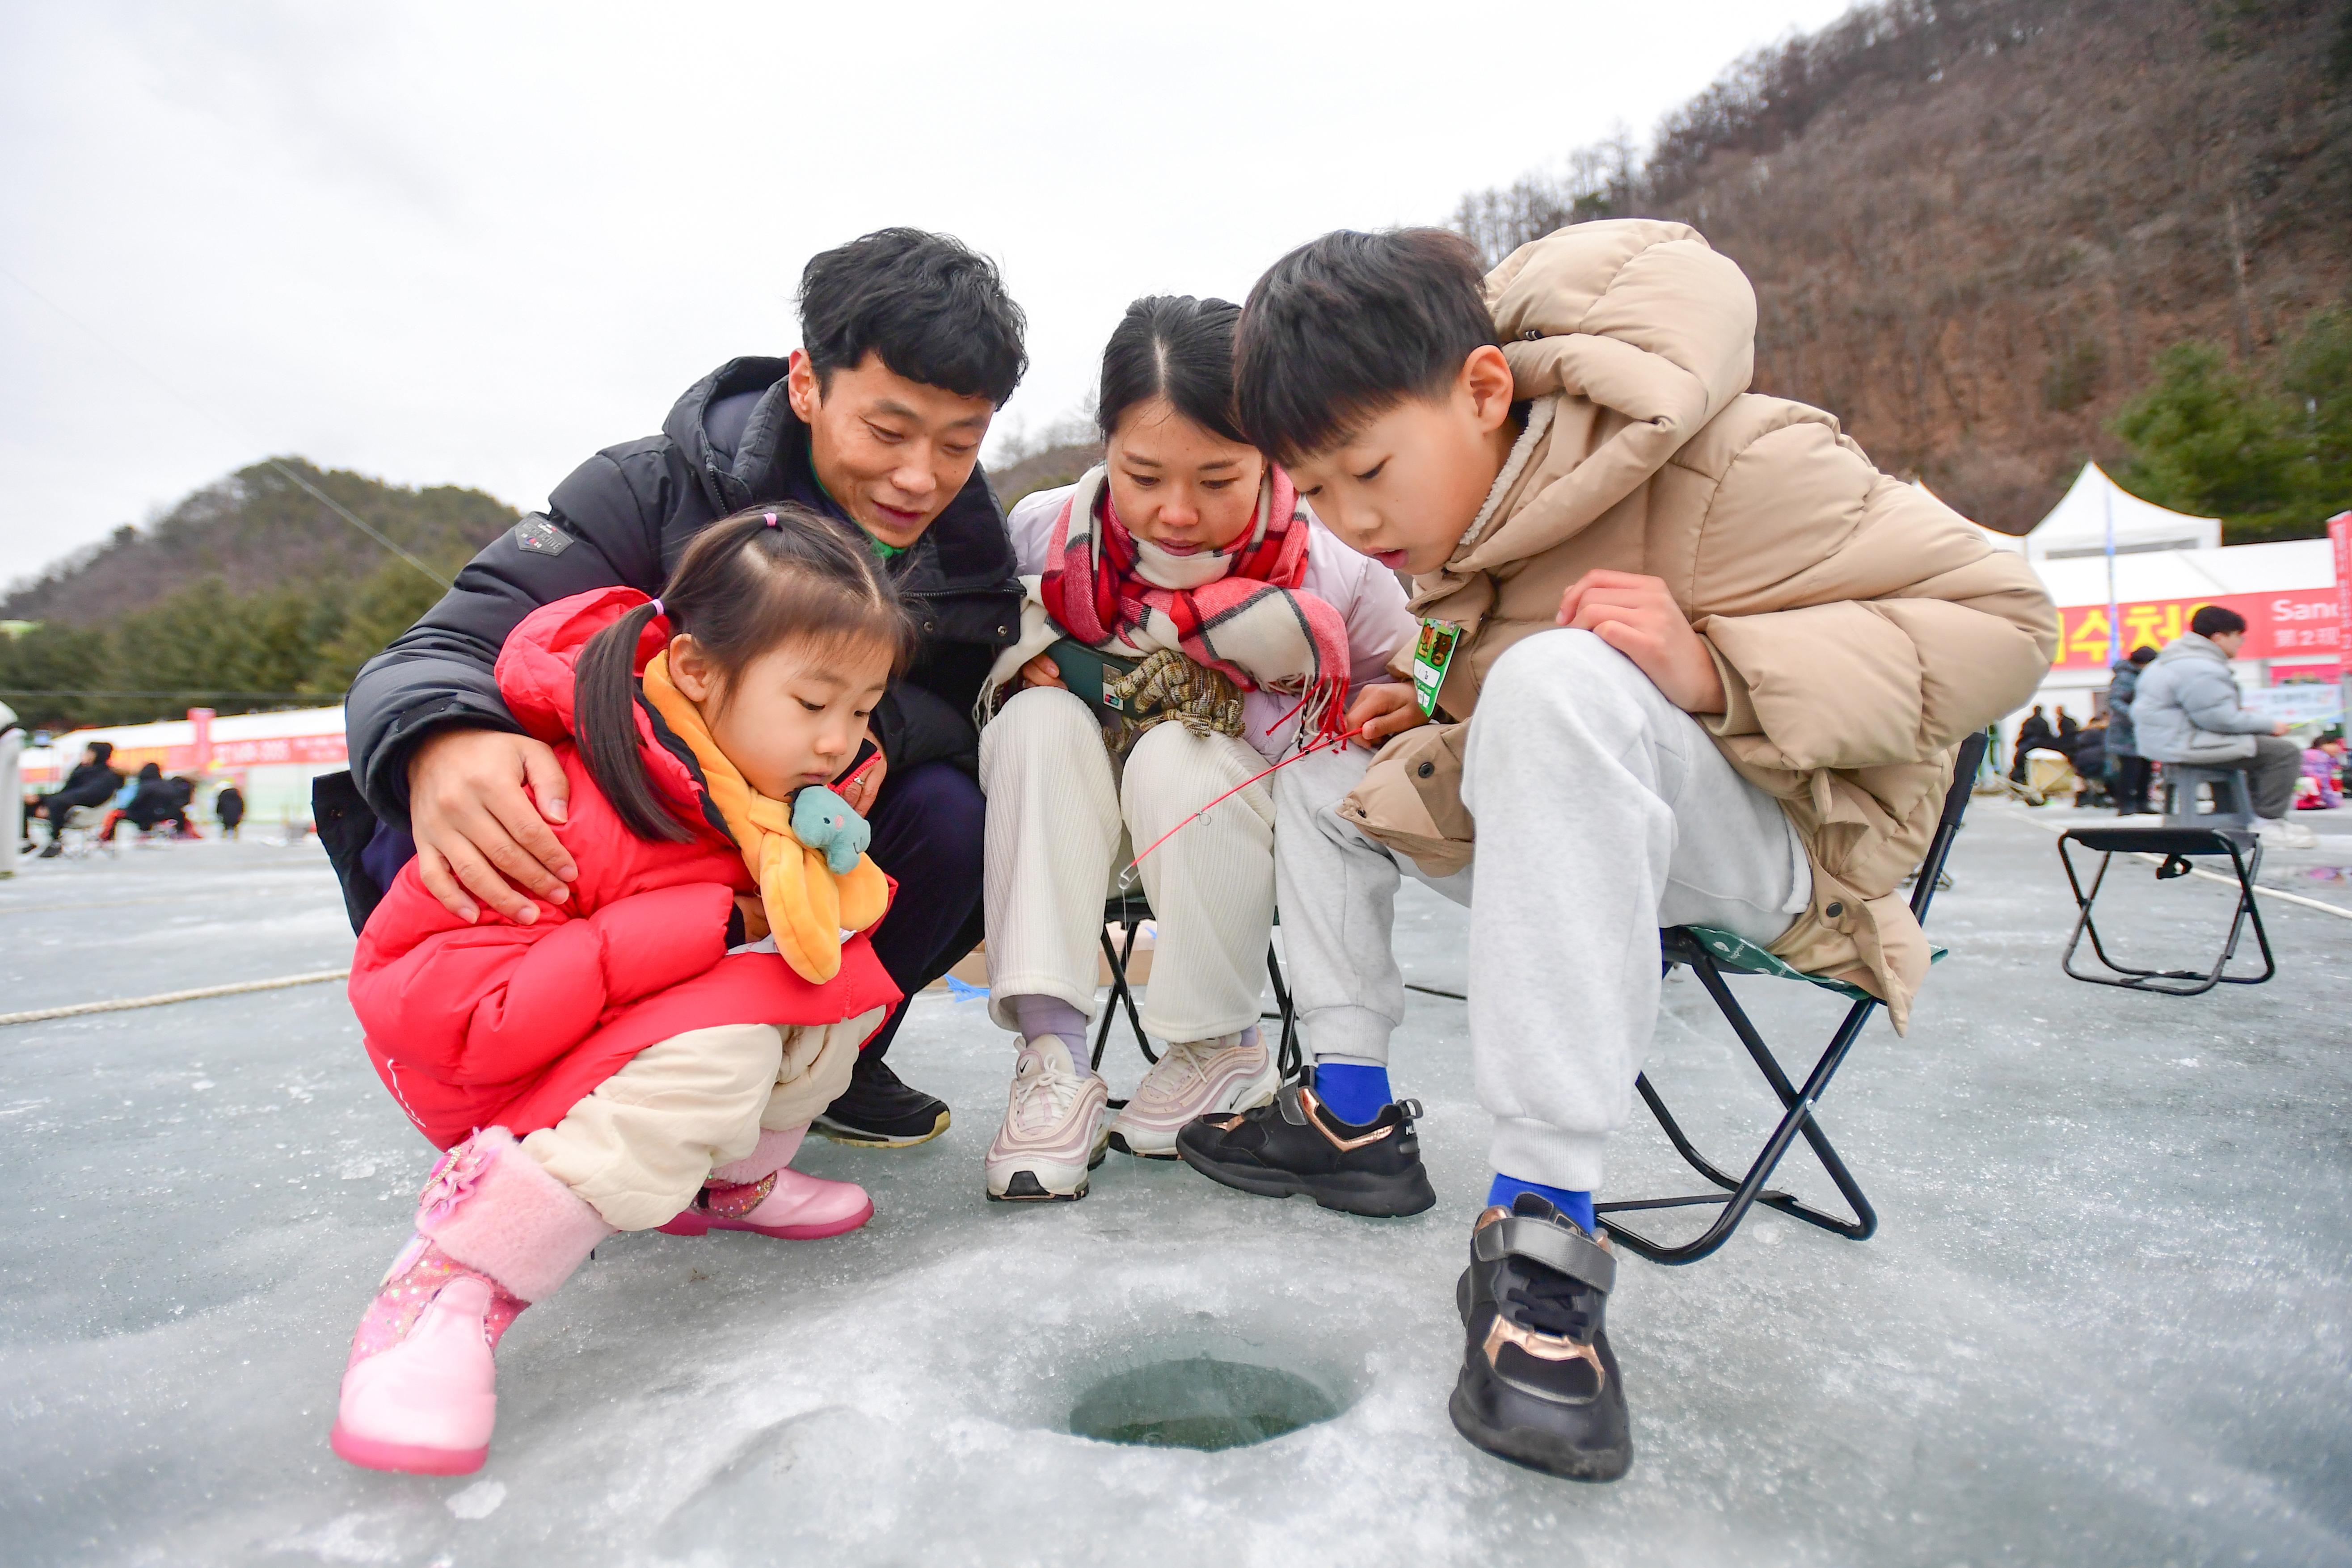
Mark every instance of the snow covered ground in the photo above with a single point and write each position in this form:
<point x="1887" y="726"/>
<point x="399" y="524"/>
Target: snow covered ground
<point x="2105" y="1320"/>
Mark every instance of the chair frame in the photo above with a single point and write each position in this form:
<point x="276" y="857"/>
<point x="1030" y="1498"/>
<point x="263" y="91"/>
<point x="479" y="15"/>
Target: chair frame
<point x="1129" y="910"/>
<point x="2177" y="844"/>
<point x="1741" y="1194"/>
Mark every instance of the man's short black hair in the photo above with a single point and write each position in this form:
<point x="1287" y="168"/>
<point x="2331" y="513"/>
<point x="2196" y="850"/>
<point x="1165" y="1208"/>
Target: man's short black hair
<point x="2143" y="655"/>
<point x="2215" y="621"/>
<point x="932" y="307"/>
<point x="1347" y="326"/>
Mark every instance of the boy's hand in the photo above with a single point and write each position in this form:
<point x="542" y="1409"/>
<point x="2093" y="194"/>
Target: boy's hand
<point x="1636" y="616"/>
<point x="1382" y="711"/>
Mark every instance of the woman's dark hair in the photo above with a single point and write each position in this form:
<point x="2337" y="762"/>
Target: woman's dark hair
<point x="2215" y="621"/>
<point x="1178" y="348"/>
<point x="931" y="307"/>
<point x="148" y="770"/>
<point x="2143" y="655"/>
<point x="1347" y="326"/>
<point x="102" y="752"/>
<point x="744" y="586"/>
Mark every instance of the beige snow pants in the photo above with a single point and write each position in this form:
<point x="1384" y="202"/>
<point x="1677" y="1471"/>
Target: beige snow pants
<point x="640" y="1144"/>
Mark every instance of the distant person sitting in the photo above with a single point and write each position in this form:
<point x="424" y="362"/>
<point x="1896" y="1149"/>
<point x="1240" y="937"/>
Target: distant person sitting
<point x="2089" y="755"/>
<point x="2069" y="728"/>
<point x="2130" y="768"/>
<point x="229" y="807"/>
<point x="2322" y="765"/>
<point x="2033" y="735"/>
<point x="154" y="802"/>
<point x="2188" y="711"/>
<point x="91" y="783"/>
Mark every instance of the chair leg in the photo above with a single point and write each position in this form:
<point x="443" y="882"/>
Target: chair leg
<point x="1287" y="1057"/>
<point x="1797" y="1118"/>
<point x="1122" y="996"/>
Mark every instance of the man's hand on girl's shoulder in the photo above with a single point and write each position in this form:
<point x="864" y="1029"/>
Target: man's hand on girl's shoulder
<point x="1636" y="616"/>
<point x="479" y="802"/>
<point x="1382" y="711"/>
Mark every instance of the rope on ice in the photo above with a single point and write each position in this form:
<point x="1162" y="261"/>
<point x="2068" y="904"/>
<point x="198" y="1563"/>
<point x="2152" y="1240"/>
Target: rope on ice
<point x="125" y="1003"/>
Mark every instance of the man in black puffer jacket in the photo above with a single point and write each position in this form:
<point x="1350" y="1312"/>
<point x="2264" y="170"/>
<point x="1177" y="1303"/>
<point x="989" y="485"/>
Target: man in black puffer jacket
<point x="910" y="345"/>
<point x="92" y="782"/>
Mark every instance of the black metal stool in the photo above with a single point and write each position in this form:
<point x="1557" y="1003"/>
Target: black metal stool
<point x="2179" y="846"/>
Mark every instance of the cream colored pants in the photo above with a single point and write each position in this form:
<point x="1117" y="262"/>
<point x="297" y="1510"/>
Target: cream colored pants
<point x="1059" y="830"/>
<point x="639" y="1146"/>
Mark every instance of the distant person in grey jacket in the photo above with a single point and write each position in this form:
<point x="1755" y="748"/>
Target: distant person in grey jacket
<point x="2187" y="710"/>
<point x="2128" y="767"/>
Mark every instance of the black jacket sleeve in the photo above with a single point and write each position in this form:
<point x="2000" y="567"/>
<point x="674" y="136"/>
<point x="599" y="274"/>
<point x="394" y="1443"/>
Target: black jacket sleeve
<point x="602" y="529"/>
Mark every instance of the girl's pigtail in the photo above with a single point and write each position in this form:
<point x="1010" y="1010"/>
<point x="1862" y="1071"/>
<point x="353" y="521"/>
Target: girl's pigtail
<point x="604" y="721"/>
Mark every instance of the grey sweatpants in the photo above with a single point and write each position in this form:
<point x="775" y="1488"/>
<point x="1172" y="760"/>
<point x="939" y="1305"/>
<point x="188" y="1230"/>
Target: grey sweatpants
<point x="1603" y="813"/>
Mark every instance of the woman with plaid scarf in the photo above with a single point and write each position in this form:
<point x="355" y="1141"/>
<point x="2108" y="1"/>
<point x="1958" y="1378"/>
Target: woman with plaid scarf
<point x="1187" y="558"/>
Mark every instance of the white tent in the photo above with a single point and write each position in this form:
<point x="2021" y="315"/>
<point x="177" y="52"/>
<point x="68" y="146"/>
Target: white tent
<point x="2077" y="525"/>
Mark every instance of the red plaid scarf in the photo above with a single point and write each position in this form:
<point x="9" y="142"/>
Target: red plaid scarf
<point x="1254" y="625"/>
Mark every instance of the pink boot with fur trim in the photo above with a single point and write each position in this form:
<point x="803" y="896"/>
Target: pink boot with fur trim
<point x="494" y="1233"/>
<point x="761" y="1193"/>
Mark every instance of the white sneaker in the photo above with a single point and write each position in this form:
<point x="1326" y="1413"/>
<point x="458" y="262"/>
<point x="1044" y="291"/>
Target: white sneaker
<point x="2282" y="834"/>
<point x="1195" y="1077"/>
<point x="1053" y="1133"/>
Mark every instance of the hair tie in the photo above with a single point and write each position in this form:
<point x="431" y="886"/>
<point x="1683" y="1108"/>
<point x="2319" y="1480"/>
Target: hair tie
<point x="771" y="520"/>
<point x="659" y="610"/>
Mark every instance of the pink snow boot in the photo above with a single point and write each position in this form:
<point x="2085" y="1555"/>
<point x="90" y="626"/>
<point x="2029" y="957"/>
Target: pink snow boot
<point x="761" y="1193"/>
<point x="494" y="1233"/>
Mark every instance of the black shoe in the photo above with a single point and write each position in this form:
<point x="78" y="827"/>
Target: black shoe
<point x="1539" y="1383"/>
<point x="1296" y="1144"/>
<point x="54" y="851"/>
<point x="879" y="1112"/>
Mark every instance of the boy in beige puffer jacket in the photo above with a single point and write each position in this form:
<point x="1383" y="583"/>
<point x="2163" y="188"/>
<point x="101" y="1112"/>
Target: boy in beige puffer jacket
<point x="1687" y="658"/>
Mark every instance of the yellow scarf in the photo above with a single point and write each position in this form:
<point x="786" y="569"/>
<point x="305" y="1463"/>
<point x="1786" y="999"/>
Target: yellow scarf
<point x="808" y="906"/>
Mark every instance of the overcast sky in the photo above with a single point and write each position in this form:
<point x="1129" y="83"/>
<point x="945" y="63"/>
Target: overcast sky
<point x="472" y="243"/>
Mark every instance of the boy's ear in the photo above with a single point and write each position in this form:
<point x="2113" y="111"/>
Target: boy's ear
<point x="1485" y="380"/>
<point x="689" y="669"/>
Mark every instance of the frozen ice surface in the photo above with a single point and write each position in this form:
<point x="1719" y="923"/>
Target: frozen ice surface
<point x="2105" y="1320"/>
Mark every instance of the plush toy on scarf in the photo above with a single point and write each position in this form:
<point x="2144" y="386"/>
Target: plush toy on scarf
<point x="825" y="822"/>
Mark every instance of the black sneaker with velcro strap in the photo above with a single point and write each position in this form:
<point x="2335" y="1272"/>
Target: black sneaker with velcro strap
<point x="1296" y="1146"/>
<point x="1539" y="1383"/>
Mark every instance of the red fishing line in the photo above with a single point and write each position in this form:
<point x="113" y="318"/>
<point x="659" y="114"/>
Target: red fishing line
<point x="1329" y="740"/>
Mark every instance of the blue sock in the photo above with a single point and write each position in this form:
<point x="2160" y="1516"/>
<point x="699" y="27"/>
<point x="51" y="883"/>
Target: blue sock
<point x="1352" y="1093"/>
<point x="1576" y="1206"/>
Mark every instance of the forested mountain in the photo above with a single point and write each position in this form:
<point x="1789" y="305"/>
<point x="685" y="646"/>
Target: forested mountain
<point x="1978" y="226"/>
<point x="258" y="529"/>
<point x="248" y="594"/>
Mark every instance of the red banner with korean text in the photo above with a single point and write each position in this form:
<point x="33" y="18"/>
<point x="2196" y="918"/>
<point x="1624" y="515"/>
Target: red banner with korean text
<point x="2299" y="623"/>
<point x="2339" y="534"/>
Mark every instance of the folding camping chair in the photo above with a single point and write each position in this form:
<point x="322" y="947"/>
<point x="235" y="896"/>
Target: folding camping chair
<point x="1710" y="953"/>
<point x="2177" y="842"/>
<point x="1129" y="910"/>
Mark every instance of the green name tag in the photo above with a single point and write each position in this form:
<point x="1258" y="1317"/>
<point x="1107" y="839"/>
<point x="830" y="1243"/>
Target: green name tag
<point x="1432" y="657"/>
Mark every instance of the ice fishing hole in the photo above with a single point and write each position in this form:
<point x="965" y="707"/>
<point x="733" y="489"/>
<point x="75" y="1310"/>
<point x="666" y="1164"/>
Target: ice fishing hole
<point x="1199" y="1402"/>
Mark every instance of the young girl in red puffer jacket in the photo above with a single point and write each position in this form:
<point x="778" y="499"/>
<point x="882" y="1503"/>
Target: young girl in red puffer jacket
<point x="648" y="1053"/>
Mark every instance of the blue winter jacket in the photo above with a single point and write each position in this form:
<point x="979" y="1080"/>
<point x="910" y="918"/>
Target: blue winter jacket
<point x="2120" y="692"/>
